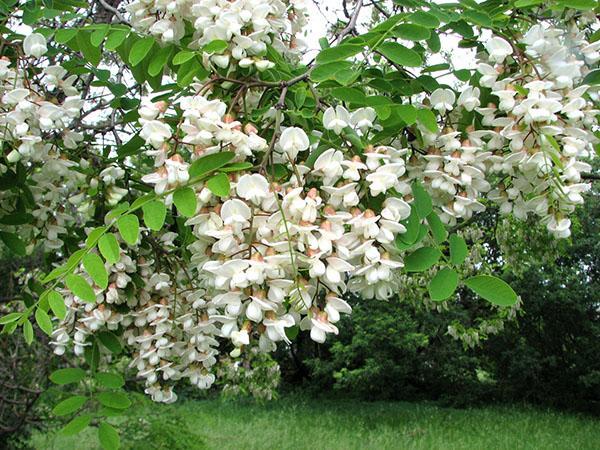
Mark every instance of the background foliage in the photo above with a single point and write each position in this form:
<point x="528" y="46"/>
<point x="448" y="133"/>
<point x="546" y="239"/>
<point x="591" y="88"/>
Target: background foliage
<point x="547" y="355"/>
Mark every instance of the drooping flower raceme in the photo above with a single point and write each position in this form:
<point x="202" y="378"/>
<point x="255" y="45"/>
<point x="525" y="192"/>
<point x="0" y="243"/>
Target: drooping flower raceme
<point x="272" y="251"/>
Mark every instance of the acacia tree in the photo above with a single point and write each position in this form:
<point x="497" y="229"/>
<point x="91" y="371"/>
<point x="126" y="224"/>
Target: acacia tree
<point x="197" y="186"/>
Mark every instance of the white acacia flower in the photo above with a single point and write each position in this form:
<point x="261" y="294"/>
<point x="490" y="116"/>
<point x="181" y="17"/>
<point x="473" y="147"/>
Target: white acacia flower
<point x="35" y="45"/>
<point x="498" y="49"/>
<point x="336" y="119"/>
<point x="276" y="327"/>
<point x="155" y="133"/>
<point x="385" y="177"/>
<point x="335" y="306"/>
<point x="329" y="164"/>
<point x="442" y="100"/>
<point x="489" y="75"/>
<point x="559" y="227"/>
<point x="253" y="187"/>
<point x="363" y="118"/>
<point x="469" y="98"/>
<point x="240" y="338"/>
<point x="159" y="179"/>
<point x="293" y="140"/>
<point x="15" y="96"/>
<point x="235" y="210"/>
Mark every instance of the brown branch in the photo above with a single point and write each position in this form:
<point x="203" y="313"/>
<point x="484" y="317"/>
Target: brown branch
<point x="351" y="24"/>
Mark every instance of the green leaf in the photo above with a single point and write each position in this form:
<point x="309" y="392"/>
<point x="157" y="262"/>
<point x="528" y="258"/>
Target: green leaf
<point x="115" y="400"/>
<point x="76" y="425"/>
<point x="67" y="376"/>
<point x="28" y="332"/>
<point x="463" y="74"/>
<point x="423" y="203"/>
<point x="209" y="163"/>
<point x="182" y="57"/>
<point x="93" y="237"/>
<point x="338" y="53"/>
<point x="427" y="118"/>
<point x="237" y="167"/>
<point x="13" y="242"/>
<point x="185" y="201"/>
<point x="43" y="321"/>
<point x="108" y="436"/>
<point x="109" y="247"/>
<point x="69" y="405"/>
<point x="323" y="72"/>
<point x="351" y="95"/>
<point x="80" y="287"/>
<point x="65" y="35"/>
<point x="412" y="225"/>
<point x="190" y="70"/>
<point x="216" y="46"/>
<point x="408" y="113"/>
<point x="159" y="60"/>
<point x="425" y="19"/>
<point x="129" y="227"/>
<point x="526" y="3"/>
<point x="94" y="266"/>
<point x="110" y="380"/>
<point x="131" y="147"/>
<point x="399" y="54"/>
<point x="411" y="32"/>
<point x="117" y="211"/>
<point x="54" y="274"/>
<point x="141" y="201"/>
<point x="57" y="304"/>
<point x="434" y="43"/>
<point x="422" y="259"/>
<point x="90" y="53"/>
<point x="458" y="249"/>
<point x="99" y="34"/>
<point x="477" y="17"/>
<point x="115" y="39"/>
<point x="74" y="259"/>
<point x="593" y="77"/>
<point x="91" y="355"/>
<point x="155" y="213"/>
<point x="438" y="230"/>
<point x="11" y="317"/>
<point x="110" y="341"/>
<point x="219" y="185"/>
<point x="443" y="284"/>
<point x="140" y="50"/>
<point x="492" y="289"/>
<point x="16" y="219"/>
<point x="582" y="5"/>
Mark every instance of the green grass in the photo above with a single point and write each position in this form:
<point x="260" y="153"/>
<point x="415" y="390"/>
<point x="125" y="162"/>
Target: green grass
<point x="297" y="423"/>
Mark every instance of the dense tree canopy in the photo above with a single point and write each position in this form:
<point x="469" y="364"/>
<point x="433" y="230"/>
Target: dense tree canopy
<point x="193" y="187"/>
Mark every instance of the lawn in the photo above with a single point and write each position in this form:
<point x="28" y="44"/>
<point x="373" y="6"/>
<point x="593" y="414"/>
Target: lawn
<point x="297" y="423"/>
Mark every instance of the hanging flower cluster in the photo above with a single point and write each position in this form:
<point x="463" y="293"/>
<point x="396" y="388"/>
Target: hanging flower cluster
<point x="536" y="132"/>
<point x="36" y="114"/>
<point x="270" y="254"/>
<point x="246" y="26"/>
<point x="31" y="111"/>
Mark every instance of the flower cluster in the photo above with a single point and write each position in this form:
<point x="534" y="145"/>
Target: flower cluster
<point x="36" y="114"/>
<point x="247" y="26"/>
<point x="273" y="254"/>
<point x="535" y="134"/>
<point x="31" y="111"/>
<point x="267" y="256"/>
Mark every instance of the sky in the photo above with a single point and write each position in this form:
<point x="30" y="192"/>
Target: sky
<point x="322" y="12"/>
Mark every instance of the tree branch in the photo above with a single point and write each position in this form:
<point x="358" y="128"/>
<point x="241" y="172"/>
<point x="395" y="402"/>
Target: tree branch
<point x="352" y="24"/>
